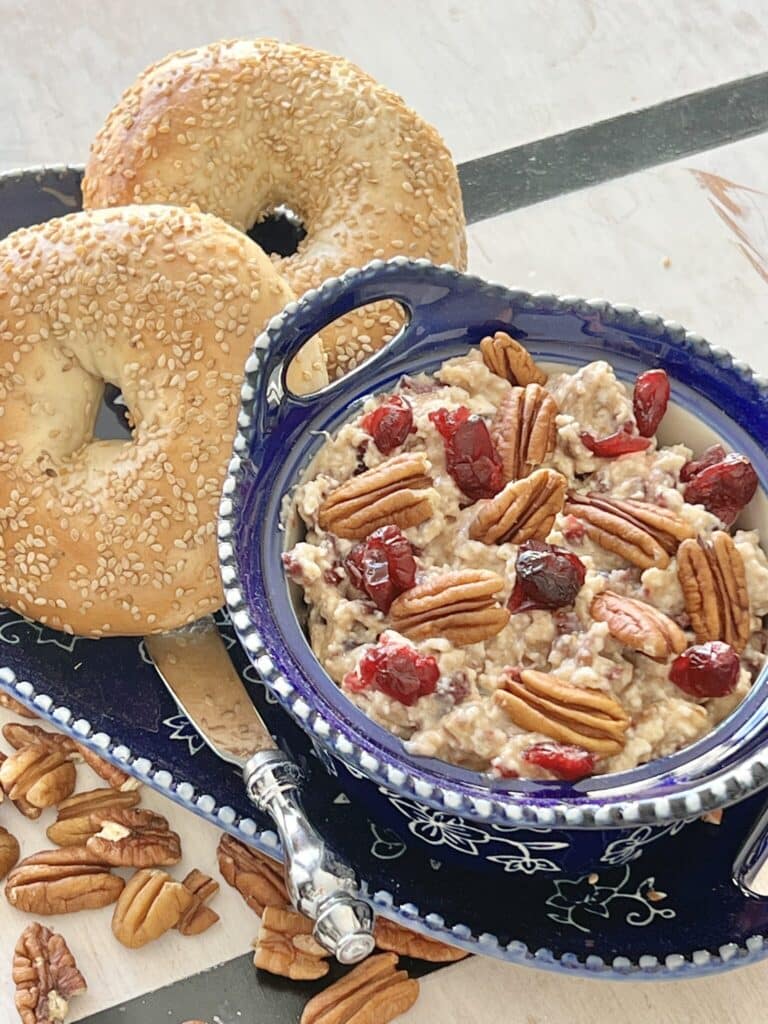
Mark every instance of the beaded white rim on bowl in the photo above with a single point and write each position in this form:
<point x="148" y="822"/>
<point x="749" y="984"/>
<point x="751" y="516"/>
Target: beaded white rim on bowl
<point x="647" y="967"/>
<point x="696" y="963"/>
<point x="404" y="778"/>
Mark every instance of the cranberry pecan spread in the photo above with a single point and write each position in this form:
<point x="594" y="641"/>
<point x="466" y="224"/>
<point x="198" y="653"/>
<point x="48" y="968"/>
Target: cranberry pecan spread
<point x="510" y="572"/>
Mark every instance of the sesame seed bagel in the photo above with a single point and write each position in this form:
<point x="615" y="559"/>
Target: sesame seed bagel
<point x="118" y="537"/>
<point x="240" y="127"/>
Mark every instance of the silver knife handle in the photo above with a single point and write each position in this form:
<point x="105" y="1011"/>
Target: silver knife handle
<point x="320" y="885"/>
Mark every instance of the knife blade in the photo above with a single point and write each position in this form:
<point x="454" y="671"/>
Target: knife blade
<point x="196" y="667"/>
<point x="194" y="664"/>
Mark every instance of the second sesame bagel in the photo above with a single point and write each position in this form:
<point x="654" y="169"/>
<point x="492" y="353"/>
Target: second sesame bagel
<point x="118" y="537"/>
<point x="238" y="128"/>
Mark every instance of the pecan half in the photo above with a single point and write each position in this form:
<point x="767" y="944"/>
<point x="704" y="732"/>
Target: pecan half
<point x="21" y="735"/>
<point x="21" y="805"/>
<point x="638" y="531"/>
<point x="524" y="430"/>
<point x="539" y="702"/>
<point x="134" y="838"/>
<point x="390" y="493"/>
<point x="374" y="992"/>
<point x="38" y="775"/>
<point x="8" y="702"/>
<point x="285" y="946"/>
<point x="45" y="975"/>
<point x="150" y="905"/>
<point x="508" y="359"/>
<point x="396" y="939"/>
<point x="112" y="775"/>
<point x="9" y="851"/>
<point x="61" y="882"/>
<point x="524" y="510"/>
<point x="714" y="585"/>
<point x="257" y="878"/>
<point x="458" y="605"/>
<point x="199" y="917"/>
<point x="79" y="817"/>
<point x="714" y="817"/>
<point x="638" y="625"/>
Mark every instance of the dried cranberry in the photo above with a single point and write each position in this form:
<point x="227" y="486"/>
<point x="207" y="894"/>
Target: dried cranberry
<point x="547" y="577"/>
<point x="470" y="456"/>
<point x="390" y="424"/>
<point x="723" y="488"/>
<point x="573" y="529"/>
<point x="649" y="401"/>
<point x="565" y="761"/>
<point x="715" y="453"/>
<point x="706" y="670"/>
<point x="382" y="566"/>
<point x="621" y="443"/>
<point x="448" y="421"/>
<point x="397" y="670"/>
<point x="292" y="566"/>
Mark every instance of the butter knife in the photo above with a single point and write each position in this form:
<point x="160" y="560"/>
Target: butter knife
<point x="194" y="664"/>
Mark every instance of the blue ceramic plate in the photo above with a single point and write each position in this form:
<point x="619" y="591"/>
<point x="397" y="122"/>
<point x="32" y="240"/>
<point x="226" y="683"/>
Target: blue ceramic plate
<point x="675" y="913"/>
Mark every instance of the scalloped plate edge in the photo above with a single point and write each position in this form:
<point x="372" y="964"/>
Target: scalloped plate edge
<point x="674" y="966"/>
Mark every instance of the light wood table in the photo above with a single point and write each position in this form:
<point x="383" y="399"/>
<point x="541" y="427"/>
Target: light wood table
<point x="493" y="75"/>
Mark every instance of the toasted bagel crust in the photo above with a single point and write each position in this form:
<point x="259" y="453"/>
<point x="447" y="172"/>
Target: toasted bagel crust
<point x="238" y="127"/>
<point x="118" y="537"/>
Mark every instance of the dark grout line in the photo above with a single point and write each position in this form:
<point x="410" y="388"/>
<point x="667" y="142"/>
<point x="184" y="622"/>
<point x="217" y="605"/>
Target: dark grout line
<point x="528" y="174"/>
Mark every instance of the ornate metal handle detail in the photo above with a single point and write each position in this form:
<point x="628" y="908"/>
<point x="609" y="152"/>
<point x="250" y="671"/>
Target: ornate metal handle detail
<point x="320" y="885"/>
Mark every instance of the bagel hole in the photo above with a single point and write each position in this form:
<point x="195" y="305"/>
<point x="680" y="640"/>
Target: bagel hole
<point x="280" y="232"/>
<point x="112" y="422"/>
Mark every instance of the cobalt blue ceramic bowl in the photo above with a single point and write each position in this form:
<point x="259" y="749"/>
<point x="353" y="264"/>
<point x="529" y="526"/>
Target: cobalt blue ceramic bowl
<point x="456" y="812"/>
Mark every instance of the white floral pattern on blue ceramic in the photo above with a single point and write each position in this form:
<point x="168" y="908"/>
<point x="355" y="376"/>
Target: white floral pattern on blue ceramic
<point x="577" y="901"/>
<point x="279" y="433"/>
<point x="625" y="918"/>
<point x="105" y="694"/>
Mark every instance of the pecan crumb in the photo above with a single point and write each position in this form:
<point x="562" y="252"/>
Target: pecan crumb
<point x="714" y="817"/>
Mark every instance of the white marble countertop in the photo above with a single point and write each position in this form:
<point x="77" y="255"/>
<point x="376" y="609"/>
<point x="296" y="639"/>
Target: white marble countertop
<point x="491" y="75"/>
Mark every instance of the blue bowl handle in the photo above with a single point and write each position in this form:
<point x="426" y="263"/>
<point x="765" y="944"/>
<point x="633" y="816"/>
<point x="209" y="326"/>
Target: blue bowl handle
<point x="399" y="279"/>
<point x="752" y="858"/>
